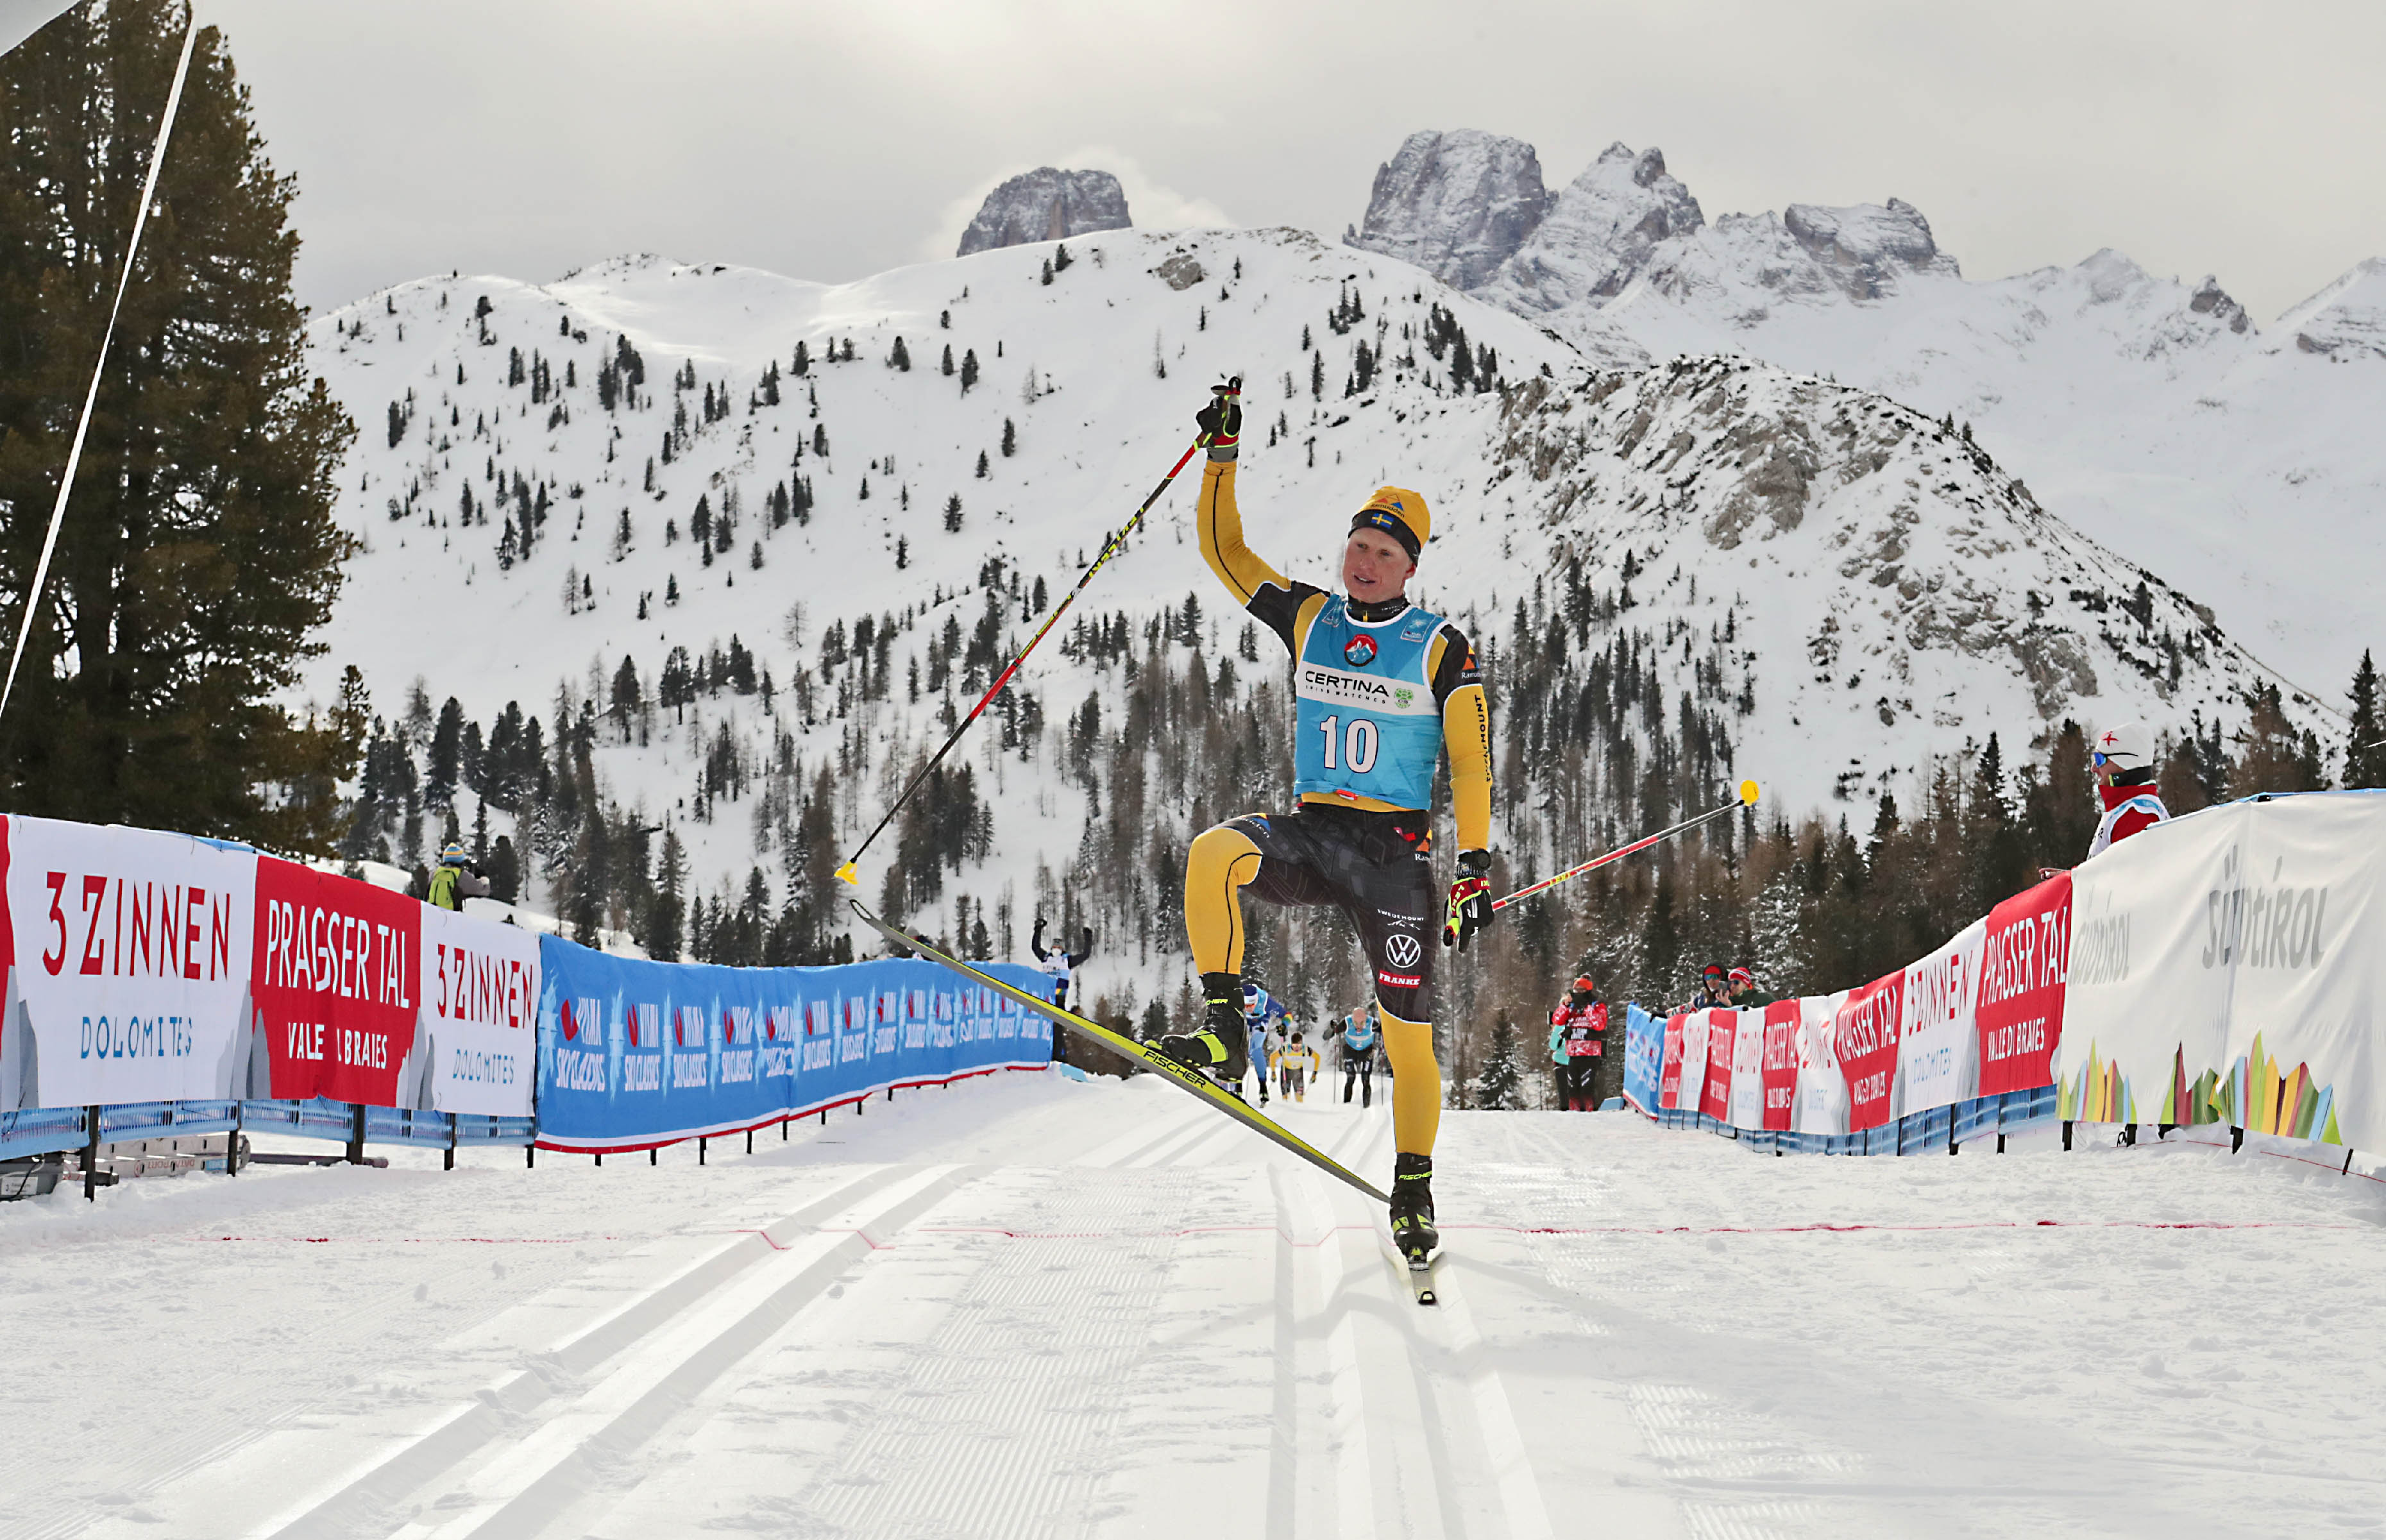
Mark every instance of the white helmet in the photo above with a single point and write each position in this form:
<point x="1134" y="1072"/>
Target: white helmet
<point x="2124" y="745"/>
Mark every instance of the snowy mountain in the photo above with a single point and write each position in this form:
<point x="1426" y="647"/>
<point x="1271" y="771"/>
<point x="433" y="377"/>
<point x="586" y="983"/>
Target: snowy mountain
<point x="657" y="456"/>
<point x="2151" y="413"/>
<point x="1046" y="204"/>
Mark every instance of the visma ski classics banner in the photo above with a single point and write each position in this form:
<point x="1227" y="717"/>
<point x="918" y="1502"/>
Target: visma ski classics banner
<point x="154" y="966"/>
<point x="2227" y="967"/>
<point x="634" y="1053"/>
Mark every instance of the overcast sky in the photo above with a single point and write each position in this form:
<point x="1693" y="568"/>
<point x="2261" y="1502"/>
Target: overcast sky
<point x="527" y="137"/>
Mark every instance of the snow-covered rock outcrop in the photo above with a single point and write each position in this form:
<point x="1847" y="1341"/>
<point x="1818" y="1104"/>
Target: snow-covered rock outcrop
<point x="1046" y="204"/>
<point x="1457" y="203"/>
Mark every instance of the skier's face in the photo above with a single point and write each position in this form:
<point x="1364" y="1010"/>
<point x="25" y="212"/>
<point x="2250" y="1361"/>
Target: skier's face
<point x="1374" y="567"/>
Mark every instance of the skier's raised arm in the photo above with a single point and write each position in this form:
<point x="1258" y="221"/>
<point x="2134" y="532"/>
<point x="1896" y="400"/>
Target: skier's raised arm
<point x="1085" y="947"/>
<point x="1035" y="942"/>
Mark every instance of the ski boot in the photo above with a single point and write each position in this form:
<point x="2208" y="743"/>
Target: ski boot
<point x="1412" y="1229"/>
<point x="1219" y="1046"/>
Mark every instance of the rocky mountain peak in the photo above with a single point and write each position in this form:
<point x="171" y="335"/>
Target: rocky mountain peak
<point x="1865" y="246"/>
<point x="1599" y="233"/>
<point x="1457" y="203"/>
<point x="1046" y="204"/>
<point x="2211" y="299"/>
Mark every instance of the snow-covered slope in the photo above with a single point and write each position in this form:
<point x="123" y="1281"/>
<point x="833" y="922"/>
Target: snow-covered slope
<point x="2237" y="462"/>
<point x="1029" y="1306"/>
<point x="1889" y="591"/>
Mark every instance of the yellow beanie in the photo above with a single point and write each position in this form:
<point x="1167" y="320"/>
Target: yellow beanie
<point x="1399" y="513"/>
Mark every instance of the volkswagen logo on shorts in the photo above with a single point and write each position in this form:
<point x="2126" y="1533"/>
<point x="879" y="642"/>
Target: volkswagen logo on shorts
<point x="1402" y="951"/>
<point x="1358" y="651"/>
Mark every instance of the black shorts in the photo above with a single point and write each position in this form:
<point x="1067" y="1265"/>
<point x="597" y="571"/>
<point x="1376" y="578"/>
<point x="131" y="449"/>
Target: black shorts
<point x="1374" y="868"/>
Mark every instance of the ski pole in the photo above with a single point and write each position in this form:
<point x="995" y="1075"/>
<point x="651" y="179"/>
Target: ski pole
<point x="1748" y="793"/>
<point x="849" y="871"/>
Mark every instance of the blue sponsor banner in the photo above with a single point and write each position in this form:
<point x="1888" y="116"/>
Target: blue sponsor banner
<point x="633" y="1053"/>
<point x="1644" y="1049"/>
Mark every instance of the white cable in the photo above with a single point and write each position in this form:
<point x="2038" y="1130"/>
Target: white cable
<point x="82" y="426"/>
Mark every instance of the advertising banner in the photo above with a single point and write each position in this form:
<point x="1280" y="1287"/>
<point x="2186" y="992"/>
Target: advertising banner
<point x="2293" y="928"/>
<point x="477" y="1037"/>
<point x="1644" y="1050"/>
<point x="1938" y="1050"/>
<point x="1777" y="1069"/>
<point x="634" y="1053"/>
<point x="1822" y="1095"/>
<point x="128" y="959"/>
<point x="1747" y="1069"/>
<point x="1716" y="1027"/>
<point x="336" y="984"/>
<point x="1863" y="1036"/>
<point x="2018" y="1011"/>
<point x="1670" y="1071"/>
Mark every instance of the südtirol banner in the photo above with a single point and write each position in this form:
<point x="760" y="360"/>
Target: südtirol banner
<point x="1746" y="1069"/>
<point x="336" y="983"/>
<point x="478" y="1033"/>
<point x="634" y="1053"/>
<point x="2019" y="1010"/>
<point x="129" y="956"/>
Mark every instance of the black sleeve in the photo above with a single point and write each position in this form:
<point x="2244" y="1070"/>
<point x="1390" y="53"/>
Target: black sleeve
<point x="1036" y="944"/>
<point x="1084" y="948"/>
<point x="1458" y="665"/>
<point x="1277" y="608"/>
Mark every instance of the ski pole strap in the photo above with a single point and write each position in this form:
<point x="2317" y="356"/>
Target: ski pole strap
<point x="1110" y="547"/>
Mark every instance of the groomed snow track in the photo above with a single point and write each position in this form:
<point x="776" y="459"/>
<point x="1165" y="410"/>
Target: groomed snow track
<point x="1030" y="1306"/>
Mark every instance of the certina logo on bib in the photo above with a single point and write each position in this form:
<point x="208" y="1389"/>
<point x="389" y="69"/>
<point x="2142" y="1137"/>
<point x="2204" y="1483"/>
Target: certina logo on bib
<point x="1358" y="651"/>
<point x="1336" y="687"/>
<point x="1402" y="951"/>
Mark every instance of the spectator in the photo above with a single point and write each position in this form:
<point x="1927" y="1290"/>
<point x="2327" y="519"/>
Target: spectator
<point x="2123" y="759"/>
<point x="455" y="880"/>
<point x="1740" y="992"/>
<point x="1713" y="989"/>
<point x="1577" y="1041"/>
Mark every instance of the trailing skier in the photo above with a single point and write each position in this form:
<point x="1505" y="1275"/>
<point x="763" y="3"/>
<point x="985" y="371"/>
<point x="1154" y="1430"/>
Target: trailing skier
<point x="1296" y="1064"/>
<point x="1265" y="1018"/>
<point x="1360" y="1040"/>
<point x="1381" y="687"/>
<point x="1060" y="965"/>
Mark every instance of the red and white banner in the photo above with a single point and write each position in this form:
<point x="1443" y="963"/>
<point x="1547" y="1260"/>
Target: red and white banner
<point x="1864" y="1038"/>
<point x="129" y="955"/>
<point x="1718" y="1029"/>
<point x="478" y="1033"/>
<point x="1670" y="1071"/>
<point x="153" y="967"/>
<point x="2018" y="1011"/>
<point x="1822" y="1094"/>
<point x="1777" y="1069"/>
<point x="1938" y="1051"/>
<point x="337" y="984"/>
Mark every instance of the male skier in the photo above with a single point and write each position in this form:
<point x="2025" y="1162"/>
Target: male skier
<point x="1265" y="1014"/>
<point x="1359" y="1041"/>
<point x="1381" y="687"/>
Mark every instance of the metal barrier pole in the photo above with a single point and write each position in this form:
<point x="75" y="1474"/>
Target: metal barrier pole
<point x="356" y="1134"/>
<point x="91" y="1154"/>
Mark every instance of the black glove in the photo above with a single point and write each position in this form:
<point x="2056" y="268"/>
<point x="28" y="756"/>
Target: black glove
<point x="1222" y="419"/>
<point x="1469" y="900"/>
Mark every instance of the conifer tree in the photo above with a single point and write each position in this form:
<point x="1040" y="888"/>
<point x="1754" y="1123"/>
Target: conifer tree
<point x="199" y="555"/>
<point x="1010" y="439"/>
<point x="969" y="370"/>
<point x="2364" y="755"/>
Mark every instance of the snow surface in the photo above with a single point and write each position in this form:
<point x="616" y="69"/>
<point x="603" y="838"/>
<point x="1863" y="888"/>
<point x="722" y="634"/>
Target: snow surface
<point x="1032" y="1306"/>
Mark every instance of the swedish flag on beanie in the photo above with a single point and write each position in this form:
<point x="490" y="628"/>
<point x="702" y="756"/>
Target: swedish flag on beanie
<point x="1398" y="513"/>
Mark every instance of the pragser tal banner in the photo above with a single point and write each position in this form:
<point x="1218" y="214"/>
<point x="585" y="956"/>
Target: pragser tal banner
<point x="337" y="984"/>
<point x="128" y="965"/>
<point x="634" y="1053"/>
